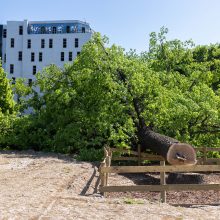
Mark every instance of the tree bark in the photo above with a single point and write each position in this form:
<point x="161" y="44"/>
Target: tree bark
<point x="172" y="150"/>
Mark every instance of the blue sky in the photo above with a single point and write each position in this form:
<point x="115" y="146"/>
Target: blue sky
<point x="127" y="23"/>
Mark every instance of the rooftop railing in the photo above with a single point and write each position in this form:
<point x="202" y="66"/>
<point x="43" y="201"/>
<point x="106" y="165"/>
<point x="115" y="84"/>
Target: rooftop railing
<point x="58" y="28"/>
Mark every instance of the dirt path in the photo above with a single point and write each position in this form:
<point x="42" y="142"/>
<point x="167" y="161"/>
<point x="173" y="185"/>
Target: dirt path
<point x="49" y="186"/>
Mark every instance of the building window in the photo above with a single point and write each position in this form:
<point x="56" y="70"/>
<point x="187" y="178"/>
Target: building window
<point x="43" y="30"/>
<point x="5" y="58"/>
<point x="70" y="56"/>
<point x="83" y="30"/>
<point x="40" y="56"/>
<point x="12" y="42"/>
<point x="4" y="33"/>
<point x="29" y="43"/>
<point x="11" y="68"/>
<point x="67" y="29"/>
<point x="62" y="56"/>
<point x="34" y="70"/>
<point x="50" y="43"/>
<point x="76" y="42"/>
<point x="20" y="56"/>
<point x="30" y="82"/>
<point x="42" y="43"/>
<point x="20" y="30"/>
<point x="13" y="80"/>
<point x="64" y="43"/>
<point x="54" y="30"/>
<point x="78" y="53"/>
<point x="32" y="57"/>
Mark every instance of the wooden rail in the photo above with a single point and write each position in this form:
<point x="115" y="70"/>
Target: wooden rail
<point x="106" y="168"/>
<point x="157" y="169"/>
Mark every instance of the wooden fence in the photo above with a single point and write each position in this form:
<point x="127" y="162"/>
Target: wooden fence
<point x="106" y="168"/>
<point x="140" y="157"/>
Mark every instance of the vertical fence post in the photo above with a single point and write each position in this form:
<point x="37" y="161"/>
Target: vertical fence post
<point x="107" y="165"/>
<point x="204" y="155"/>
<point x="102" y="175"/>
<point x="110" y="156"/>
<point x="139" y="154"/>
<point x="105" y="152"/>
<point x="162" y="182"/>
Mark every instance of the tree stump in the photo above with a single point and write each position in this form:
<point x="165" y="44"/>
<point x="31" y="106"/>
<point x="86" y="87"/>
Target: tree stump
<point x="185" y="178"/>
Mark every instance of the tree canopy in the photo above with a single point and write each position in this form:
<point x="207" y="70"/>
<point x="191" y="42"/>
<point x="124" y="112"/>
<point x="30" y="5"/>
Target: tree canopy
<point x="90" y="102"/>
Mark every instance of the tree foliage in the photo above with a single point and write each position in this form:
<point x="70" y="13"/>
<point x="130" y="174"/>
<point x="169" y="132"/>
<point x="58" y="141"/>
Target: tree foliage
<point x="7" y="106"/>
<point x="6" y="96"/>
<point x="91" y="101"/>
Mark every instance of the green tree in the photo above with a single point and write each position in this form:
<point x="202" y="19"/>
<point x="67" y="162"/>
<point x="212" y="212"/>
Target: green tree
<point x="91" y="102"/>
<point x="6" y="96"/>
<point x="7" y="107"/>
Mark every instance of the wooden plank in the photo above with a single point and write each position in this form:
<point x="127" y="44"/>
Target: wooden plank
<point x="152" y="157"/>
<point x="208" y="149"/>
<point x="134" y="153"/>
<point x="145" y="169"/>
<point x="159" y="188"/>
<point x="125" y="158"/>
<point x="163" y="182"/>
<point x="127" y="151"/>
<point x="213" y="149"/>
<point x="209" y="161"/>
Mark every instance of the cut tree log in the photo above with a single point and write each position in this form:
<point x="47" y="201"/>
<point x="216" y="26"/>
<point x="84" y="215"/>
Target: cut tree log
<point x="172" y="150"/>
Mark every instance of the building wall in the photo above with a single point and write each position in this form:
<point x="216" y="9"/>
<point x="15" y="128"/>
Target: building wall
<point x="3" y="49"/>
<point x="52" y="55"/>
<point x="1" y="32"/>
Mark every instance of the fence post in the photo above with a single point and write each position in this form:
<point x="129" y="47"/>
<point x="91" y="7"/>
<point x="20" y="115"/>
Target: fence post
<point x="139" y="154"/>
<point x="105" y="152"/>
<point x="110" y="156"/>
<point x="102" y="175"/>
<point x="107" y="165"/>
<point x="163" y="182"/>
<point x="204" y="155"/>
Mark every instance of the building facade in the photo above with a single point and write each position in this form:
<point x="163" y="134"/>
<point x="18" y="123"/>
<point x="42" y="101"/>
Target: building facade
<point x="27" y="47"/>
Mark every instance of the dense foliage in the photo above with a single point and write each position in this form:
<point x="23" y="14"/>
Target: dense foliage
<point x="90" y="102"/>
<point x="7" y="105"/>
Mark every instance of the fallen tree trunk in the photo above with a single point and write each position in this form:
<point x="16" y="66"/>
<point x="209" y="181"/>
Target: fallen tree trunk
<point x="174" y="152"/>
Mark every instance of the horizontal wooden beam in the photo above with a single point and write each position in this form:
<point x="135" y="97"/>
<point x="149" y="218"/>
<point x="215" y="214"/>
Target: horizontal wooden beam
<point x="125" y="158"/>
<point x="201" y="149"/>
<point x="145" y="169"/>
<point x="158" y="188"/>
<point x="209" y="159"/>
<point x="127" y="151"/>
<point x="136" y="153"/>
<point x="152" y="157"/>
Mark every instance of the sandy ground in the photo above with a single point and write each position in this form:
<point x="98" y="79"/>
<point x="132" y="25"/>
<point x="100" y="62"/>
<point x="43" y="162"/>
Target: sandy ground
<point x="50" y="186"/>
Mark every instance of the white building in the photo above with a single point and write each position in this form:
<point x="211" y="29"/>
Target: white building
<point x="27" y="47"/>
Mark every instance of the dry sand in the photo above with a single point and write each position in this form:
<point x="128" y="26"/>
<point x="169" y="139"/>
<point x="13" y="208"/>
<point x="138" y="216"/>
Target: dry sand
<point x="37" y="185"/>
